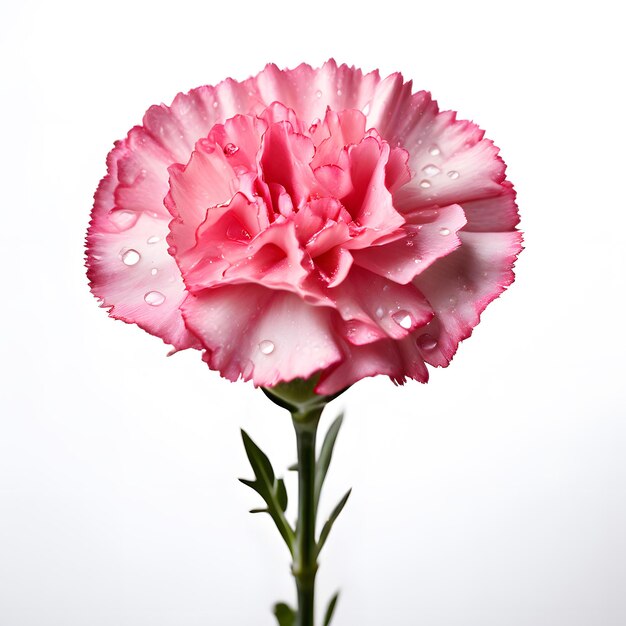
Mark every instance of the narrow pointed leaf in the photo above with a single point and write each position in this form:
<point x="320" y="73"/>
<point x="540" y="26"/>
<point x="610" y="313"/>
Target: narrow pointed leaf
<point x="331" y="520"/>
<point x="285" y="615"/>
<point x="258" y="459"/>
<point x="281" y="494"/>
<point x="272" y="490"/>
<point x="325" y="457"/>
<point x="293" y="468"/>
<point x="330" y="610"/>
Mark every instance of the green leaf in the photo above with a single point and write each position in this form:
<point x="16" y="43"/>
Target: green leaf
<point x="272" y="490"/>
<point x="326" y="453"/>
<point x="285" y="615"/>
<point x="258" y="459"/>
<point x="281" y="493"/>
<point x="330" y="610"/>
<point x="331" y="520"/>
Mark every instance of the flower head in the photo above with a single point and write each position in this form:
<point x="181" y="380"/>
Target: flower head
<point x="303" y="221"/>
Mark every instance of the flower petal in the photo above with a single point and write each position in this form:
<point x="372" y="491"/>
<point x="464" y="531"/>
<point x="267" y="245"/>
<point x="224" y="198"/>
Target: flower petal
<point x="429" y="236"/>
<point x="368" y="298"/>
<point x="261" y="334"/>
<point x="132" y="272"/>
<point x="460" y="286"/>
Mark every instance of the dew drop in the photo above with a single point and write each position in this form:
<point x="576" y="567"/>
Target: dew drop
<point x="417" y="260"/>
<point x="266" y="346"/>
<point x="131" y="257"/>
<point x="444" y="232"/>
<point x="434" y="150"/>
<point x="154" y="298"/>
<point x="339" y="92"/>
<point x="453" y="174"/>
<point x="431" y="170"/>
<point x="425" y="184"/>
<point x="215" y="105"/>
<point x="380" y="312"/>
<point x="403" y="319"/>
<point x="409" y="243"/>
<point x="426" y="342"/>
<point x="318" y="94"/>
<point x="154" y="271"/>
<point x="154" y="239"/>
<point x="230" y="149"/>
<point x="123" y="219"/>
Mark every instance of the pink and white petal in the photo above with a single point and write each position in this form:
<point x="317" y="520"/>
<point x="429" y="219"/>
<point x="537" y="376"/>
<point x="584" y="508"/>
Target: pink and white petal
<point x="334" y="265"/>
<point x="311" y="91"/>
<point x="261" y="334"/>
<point x="277" y="112"/>
<point x="461" y="285"/>
<point x="492" y="215"/>
<point x="370" y="203"/>
<point x="132" y="272"/>
<point x="335" y="181"/>
<point x="453" y="164"/>
<point x="220" y="241"/>
<point x="285" y="160"/>
<point x="273" y="259"/>
<point x="239" y="138"/>
<point x="142" y="175"/>
<point x="206" y="181"/>
<point x="339" y="130"/>
<point x="403" y="119"/>
<point x="391" y="358"/>
<point x="369" y="298"/>
<point x="429" y="236"/>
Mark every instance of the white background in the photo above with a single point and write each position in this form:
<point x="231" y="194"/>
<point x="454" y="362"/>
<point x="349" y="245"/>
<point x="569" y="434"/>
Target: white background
<point x="493" y="496"/>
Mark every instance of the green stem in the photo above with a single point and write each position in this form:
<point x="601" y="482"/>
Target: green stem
<point x="305" y="554"/>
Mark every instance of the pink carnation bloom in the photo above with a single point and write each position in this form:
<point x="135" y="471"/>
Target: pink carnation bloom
<point x="305" y="220"/>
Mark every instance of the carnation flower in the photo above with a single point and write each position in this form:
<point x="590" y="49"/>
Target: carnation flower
<point x="305" y="221"/>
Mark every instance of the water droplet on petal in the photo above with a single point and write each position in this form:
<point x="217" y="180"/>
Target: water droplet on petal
<point x="403" y="319"/>
<point x="230" y="149"/>
<point x="123" y="219"/>
<point x="154" y="298"/>
<point x="431" y="170"/>
<point x="318" y="94"/>
<point x="131" y="257"/>
<point x="215" y="105"/>
<point x="425" y="184"/>
<point x="266" y="346"/>
<point x="434" y="150"/>
<point x="339" y="92"/>
<point x="444" y="231"/>
<point x="453" y="174"/>
<point x="426" y="342"/>
<point x="417" y="260"/>
<point x="154" y="271"/>
<point x="154" y="239"/>
<point x="380" y="312"/>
